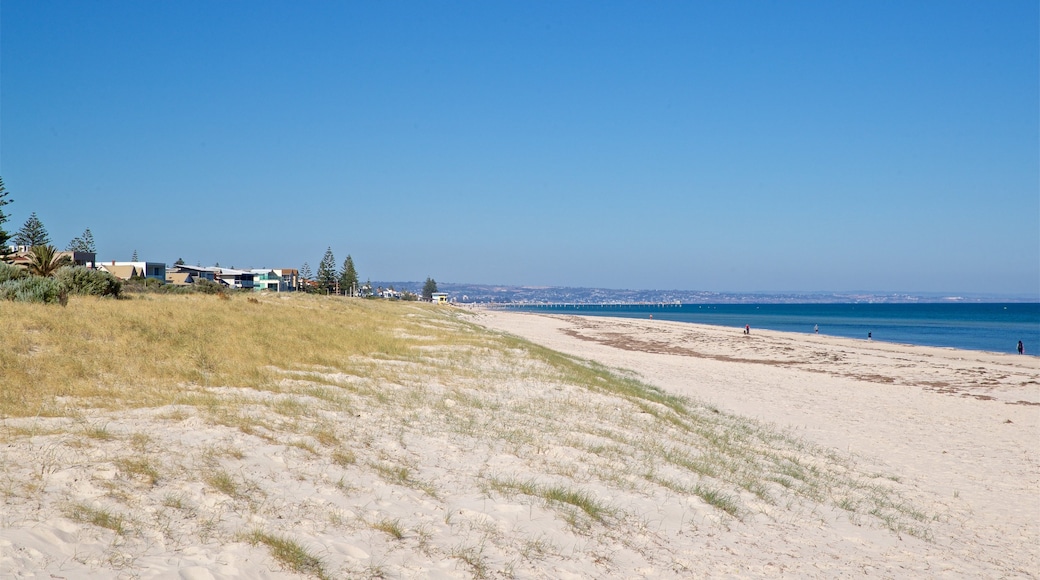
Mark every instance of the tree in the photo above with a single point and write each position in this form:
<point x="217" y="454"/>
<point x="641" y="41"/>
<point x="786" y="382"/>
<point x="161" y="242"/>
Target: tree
<point x="134" y="257"/>
<point x="84" y="243"/>
<point x="428" y="289"/>
<point x="5" y="252"/>
<point x="327" y="272"/>
<point x="32" y="233"/>
<point x="45" y="261"/>
<point x="179" y="262"/>
<point x="305" y="276"/>
<point x="348" y="279"/>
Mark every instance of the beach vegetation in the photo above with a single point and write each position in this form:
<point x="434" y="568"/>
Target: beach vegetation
<point x="391" y="527"/>
<point x="290" y="553"/>
<point x="100" y="517"/>
<point x="34" y="289"/>
<point x="9" y="272"/>
<point x="44" y="260"/>
<point x="88" y="282"/>
<point x="139" y="468"/>
<point x="223" y="482"/>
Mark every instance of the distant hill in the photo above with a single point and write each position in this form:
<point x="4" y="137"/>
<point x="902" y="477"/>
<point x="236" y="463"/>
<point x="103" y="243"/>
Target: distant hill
<point x="505" y="294"/>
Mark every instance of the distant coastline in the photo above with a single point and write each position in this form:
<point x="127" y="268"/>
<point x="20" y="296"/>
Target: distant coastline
<point x="509" y="294"/>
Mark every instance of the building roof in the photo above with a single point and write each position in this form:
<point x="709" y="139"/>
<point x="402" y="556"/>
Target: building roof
<point x="121" y="271"/>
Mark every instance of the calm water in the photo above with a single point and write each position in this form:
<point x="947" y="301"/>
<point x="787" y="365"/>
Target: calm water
<point x="988" y="327"/>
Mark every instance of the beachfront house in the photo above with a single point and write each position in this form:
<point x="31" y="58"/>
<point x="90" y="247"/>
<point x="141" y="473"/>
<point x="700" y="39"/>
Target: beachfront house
<point x="85" y="259"/>
<point x="440" y="297"/>
<point x="232" y="278"/>
<point x="266" y="279"/>
<point x="290" y="278"/>
<point x="181" y="274"/>
<point x="127" y="270"/>
<point x="121" y="271"/>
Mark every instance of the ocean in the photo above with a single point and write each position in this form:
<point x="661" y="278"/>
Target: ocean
<point x="985" y="327"/>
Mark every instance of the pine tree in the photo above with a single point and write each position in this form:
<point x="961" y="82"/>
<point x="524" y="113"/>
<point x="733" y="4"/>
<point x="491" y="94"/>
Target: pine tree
<point x="305" y="276"/>
<point x="179" y="262"/>
<point x="5" y="252"/>
<point x="327" y="272"/>
<point x="84" y="243"/>
<point x="32" y="233"/>
<point x="348" y="278"/>
<point x="134" y="257"/>
<point x="428" y="289"/>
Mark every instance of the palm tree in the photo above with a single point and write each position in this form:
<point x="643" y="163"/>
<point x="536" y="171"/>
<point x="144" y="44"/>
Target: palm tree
<point x="45" y="261"/>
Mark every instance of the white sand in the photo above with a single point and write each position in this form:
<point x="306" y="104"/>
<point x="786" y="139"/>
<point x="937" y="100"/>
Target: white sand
<point x="956" y="433"/>
<point x="961" y="427"/>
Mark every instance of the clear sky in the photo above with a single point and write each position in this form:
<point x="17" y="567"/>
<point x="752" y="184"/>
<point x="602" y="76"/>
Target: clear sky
<point x="728" y="146"/>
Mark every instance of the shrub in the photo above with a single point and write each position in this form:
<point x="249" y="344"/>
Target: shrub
<point x="208" y="286"/>
<point x="34" y="289"/>
<point x="139" y="284"/>
<point x="9" y="272"/>
<point x="80" y="280"/>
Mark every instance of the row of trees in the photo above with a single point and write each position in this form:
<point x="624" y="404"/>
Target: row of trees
<point x="33" y="234"/>
<point x="329" y="280"/>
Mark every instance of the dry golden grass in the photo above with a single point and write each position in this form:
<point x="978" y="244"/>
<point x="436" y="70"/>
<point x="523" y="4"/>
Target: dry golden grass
<point x="152" y="350"/>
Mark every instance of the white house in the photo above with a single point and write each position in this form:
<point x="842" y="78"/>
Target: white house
<point x="235" y="278"/>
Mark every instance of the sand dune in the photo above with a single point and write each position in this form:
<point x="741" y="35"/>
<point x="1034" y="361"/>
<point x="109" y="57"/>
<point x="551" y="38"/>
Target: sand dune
<point x="484" y="463"/>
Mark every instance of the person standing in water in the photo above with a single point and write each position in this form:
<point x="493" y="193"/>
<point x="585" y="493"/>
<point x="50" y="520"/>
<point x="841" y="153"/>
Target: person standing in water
<point x="1021" y="349"/>
<point x="816" y="329"/>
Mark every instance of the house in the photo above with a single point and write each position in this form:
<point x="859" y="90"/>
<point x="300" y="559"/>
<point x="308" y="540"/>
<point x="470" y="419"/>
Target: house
<point x="440" y="297"/>
<point x="290" y="278"/>
<point x="121" y="271"/>
<point x="126" y="270"/>
<point x="195" y="273"/>
<point x="235" y="278"/>
<point x="180" y="278"/>
<point x="85" y="259"/>
<point x="265" y="279"/>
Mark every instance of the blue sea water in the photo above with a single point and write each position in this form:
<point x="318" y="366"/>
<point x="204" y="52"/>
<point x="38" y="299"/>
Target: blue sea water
<point x="986" y="327"/>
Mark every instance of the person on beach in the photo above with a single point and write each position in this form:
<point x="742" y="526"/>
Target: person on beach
<point x="816" y="329"/>
<point x="747" y="329"/>
<point x="870" y="336"/>
<point x="1021" y="349"/>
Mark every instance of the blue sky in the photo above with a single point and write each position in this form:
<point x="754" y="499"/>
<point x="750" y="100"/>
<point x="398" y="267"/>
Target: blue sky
<point x="728" y="146"/>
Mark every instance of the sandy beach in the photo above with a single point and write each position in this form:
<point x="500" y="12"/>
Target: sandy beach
<point x="481" y="463"/>
<point x="959" y="427"/>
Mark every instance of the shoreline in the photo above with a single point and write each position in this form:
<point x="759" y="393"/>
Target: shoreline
<point x="899" y="338"/>
<point x="961" y="427"/>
